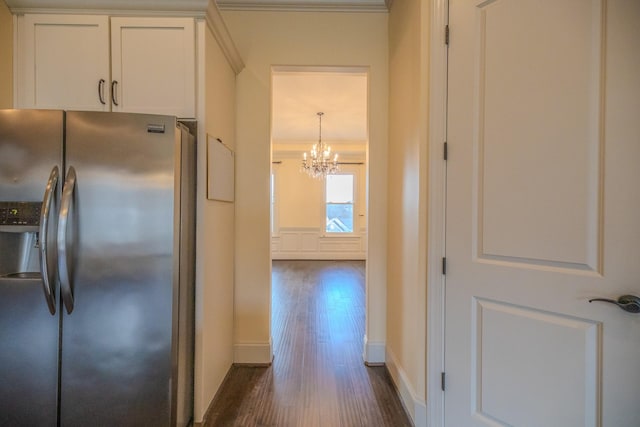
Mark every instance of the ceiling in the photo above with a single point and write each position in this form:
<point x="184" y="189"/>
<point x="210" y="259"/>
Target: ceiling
<point x="312" y="5"/>
<point x="297" y="97"/>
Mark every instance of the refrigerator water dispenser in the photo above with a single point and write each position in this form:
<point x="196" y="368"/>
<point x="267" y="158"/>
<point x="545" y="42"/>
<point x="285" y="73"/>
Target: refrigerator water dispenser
<point x="19" y="243"/>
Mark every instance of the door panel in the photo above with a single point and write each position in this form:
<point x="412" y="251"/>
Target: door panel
<point x="507" y="384"/>
<point x="30" y="147"/>
<point x="117" y="341"/>
<point x="542" y="213"/>
<point x="29" y="355"/>
<point x="526" y="137"/>
<point x="154" y="65"/>
<point x="61" y="61"/>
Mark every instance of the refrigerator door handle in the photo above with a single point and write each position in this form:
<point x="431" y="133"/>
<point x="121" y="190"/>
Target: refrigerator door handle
<point x="48" y="282"/>
<point x="66" y="285"/>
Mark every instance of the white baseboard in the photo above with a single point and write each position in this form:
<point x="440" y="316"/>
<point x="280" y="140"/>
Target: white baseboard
<point x="415" y="407"/>
<point x="420" y="417"/>
<point x="253" y="353"/>
<point x="205" y="416"/>
<point x="374" y="352"/>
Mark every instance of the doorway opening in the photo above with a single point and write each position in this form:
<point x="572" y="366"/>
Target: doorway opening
<point x="318" y="221"/>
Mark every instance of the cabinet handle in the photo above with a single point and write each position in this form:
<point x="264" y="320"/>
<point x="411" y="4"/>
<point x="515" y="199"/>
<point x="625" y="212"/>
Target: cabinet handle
<point x="101" y="91"/>
<point x="114" y="84"/>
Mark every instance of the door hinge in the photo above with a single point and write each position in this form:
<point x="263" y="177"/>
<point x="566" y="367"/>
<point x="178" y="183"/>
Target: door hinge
<point x="446" y="35"/>
<point x="442" y="381"/>
<point x="444" y="265"/>
<point x="446" y="150"/>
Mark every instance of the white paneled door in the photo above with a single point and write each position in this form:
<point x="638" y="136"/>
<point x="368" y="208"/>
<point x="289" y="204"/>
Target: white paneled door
<point x="543" y="213"/>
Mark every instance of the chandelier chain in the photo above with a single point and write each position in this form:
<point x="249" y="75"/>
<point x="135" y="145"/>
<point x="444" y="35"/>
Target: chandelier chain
<point x="319" y="163"/>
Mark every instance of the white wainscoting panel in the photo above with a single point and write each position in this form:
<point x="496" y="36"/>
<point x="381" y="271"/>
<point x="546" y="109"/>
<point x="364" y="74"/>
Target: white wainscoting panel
<point x="309" y="241"/>
<point x="289" y="242"/>
<point x="312" y="243"/>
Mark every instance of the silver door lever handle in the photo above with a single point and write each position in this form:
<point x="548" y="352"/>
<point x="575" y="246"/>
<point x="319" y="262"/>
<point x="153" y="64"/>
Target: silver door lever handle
<point x="629" y="303"/>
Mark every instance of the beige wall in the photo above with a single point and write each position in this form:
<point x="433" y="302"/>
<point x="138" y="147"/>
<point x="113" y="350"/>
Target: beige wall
<point x="6" y="56"/>
<point x="299" y="215"/>
<point x="406" y="276"/>
<point x="215" y="229"/>
<point x="266" y="39"/>
<point x="300" y="198"/>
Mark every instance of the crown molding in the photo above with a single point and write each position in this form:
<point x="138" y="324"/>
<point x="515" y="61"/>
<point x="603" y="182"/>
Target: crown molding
<point x="206" y="9"/>
<point x="307" y="5"/>
<point x="221" y="34"/>
<point x="113" y="7"/>
<point x="191" y="7"/>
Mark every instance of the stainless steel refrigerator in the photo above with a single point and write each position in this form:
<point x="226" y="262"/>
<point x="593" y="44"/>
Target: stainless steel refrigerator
<point x="97" y="230"/>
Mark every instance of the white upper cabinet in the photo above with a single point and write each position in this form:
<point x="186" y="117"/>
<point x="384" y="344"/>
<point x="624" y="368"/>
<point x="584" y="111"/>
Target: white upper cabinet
<point x="144" y="65"/>
<point x="153" y="65"/>
<point x="63" y="62"/>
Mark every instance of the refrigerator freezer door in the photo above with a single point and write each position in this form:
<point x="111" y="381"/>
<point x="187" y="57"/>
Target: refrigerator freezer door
<point x="28" y="355"/>
<point x="117" y="343"/>
<point x="30" y="147"/>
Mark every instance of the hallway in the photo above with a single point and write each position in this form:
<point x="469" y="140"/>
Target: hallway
<point x="317" y="377"/>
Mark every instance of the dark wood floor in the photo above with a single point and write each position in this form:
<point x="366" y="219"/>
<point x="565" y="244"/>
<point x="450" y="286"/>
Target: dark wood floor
<point x="317" y="377"/>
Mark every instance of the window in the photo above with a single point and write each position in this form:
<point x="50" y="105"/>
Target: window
<point x="273" y="203"/>
<point x="339" y="203"/>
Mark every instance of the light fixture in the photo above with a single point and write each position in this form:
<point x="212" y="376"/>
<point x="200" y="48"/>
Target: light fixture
<point x="318" y="162"/>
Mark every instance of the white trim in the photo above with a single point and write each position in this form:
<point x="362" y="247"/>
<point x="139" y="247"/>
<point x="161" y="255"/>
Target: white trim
<point x="420" y="417"/>
<point x="16" y="58"/>
<point x="312" y="243"/>
<point x="306" y="5"/>
<point x="374" y="352"/>
<point x="222" y="35"/>
<point x="329" y="69"/>
<point x="436" y="211"/>
<point x="205" y="416"/>
<point x="253" y="353"/>
<point x="200" y="397"/>
<point x="273" y="203"/>
<point x="110" y="7"/>
<point x="319" y="256"/>
<point x="111" y="12"/>
<point x="415" y="407"/>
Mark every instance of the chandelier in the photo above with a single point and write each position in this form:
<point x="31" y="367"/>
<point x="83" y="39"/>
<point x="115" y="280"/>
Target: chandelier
<point x="318" y="162"/>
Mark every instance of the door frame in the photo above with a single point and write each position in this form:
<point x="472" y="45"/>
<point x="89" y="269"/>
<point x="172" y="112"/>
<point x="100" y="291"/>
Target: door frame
<point x="436" y="210"/>
<point x="373" y="353"/>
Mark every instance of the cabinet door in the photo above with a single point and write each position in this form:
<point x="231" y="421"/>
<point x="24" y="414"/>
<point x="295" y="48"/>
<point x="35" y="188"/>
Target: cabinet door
<point x="153" y="65"/>
<point x="63" y="62"/>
